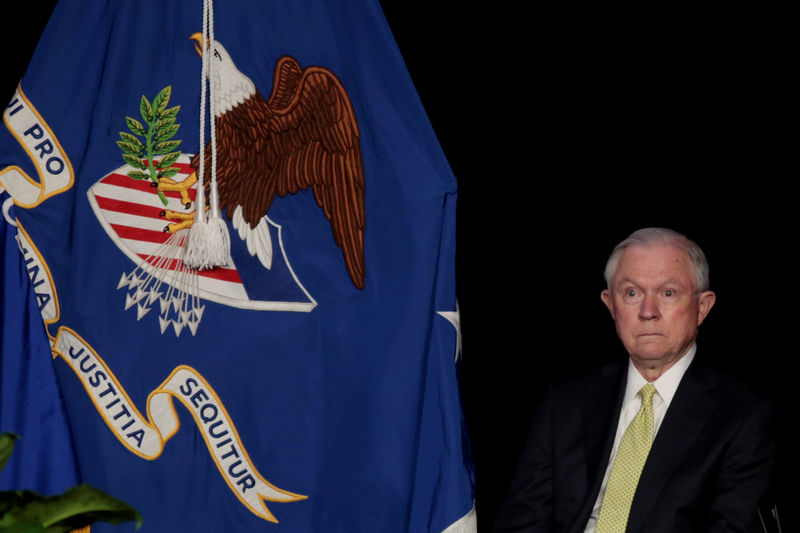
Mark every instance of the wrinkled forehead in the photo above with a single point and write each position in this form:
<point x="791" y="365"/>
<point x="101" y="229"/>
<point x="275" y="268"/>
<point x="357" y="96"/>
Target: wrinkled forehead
<point x="656" y="262"/>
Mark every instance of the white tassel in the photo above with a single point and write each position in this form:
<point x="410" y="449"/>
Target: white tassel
<point x="196" y="255"/>
<point x="209" y="244"/>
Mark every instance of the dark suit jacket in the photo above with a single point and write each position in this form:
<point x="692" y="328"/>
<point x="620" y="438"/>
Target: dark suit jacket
<point x="710" y="464"/>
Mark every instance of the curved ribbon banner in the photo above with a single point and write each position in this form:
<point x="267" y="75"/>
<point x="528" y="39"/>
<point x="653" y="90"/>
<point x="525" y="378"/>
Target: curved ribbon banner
<point x="146" y="436"/>
<point x="43" y="149"/>
<point x="44" y="287"/>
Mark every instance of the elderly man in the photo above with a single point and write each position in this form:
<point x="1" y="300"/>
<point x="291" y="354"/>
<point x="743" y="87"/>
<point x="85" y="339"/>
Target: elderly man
<point x="660" y="443"/>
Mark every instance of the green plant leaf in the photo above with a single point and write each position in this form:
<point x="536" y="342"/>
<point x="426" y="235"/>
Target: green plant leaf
<point x="161" y="100"/>
<point x="172" y="112"/>
<point x="146" y="110"/>
<point x="27" y="527"/>
<point x="129" y="148"/>
<point x="127" y="137"/>
<point x="135" y="126"/>
<point x="167" y="133"/>
<point x="169" y="159"/>
<point x="135" y="162"/>
<point x="6" y="447"/>
<point x="165" y="147"/>
<point x="76" y="508"/>
<point x="11" y="499"/>
<point x="168" y="173"/>
<point x="163" y="123"/>
<point x="137" y="175"/>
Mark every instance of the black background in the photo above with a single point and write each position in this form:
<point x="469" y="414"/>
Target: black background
<point x="568" y="128"/>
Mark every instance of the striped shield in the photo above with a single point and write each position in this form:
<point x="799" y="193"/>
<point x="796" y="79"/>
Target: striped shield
<point x="132" y="215"/>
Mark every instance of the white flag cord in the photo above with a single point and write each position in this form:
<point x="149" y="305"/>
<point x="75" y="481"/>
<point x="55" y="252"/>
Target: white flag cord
<point x="208" y="245"/>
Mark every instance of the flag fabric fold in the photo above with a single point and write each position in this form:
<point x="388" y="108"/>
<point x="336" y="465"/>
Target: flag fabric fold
<point x="30" y="400"/>
<point x="310" y="384"/>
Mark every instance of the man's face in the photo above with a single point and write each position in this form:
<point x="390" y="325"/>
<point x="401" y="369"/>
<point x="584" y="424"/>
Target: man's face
<point x="655" y="305"/>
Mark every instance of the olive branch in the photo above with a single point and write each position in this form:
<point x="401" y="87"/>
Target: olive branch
<point x="161" y="127"/>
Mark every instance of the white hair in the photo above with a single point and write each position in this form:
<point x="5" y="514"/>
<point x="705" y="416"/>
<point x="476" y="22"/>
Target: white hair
<point x="666" y="237"/>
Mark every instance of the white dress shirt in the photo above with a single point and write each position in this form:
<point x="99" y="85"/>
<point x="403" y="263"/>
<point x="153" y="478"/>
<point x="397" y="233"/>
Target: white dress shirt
<point x="665" y="385"/>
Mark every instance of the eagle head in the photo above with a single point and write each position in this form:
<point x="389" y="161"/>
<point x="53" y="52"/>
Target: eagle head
<point x="231" y="87"/>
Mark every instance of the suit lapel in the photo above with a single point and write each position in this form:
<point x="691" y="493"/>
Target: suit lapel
<point x="601" y="409"/>
<point x="691" y="408"/>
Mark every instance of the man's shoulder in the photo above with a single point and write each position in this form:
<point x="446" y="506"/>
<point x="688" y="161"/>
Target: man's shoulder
<point x="608" y="375"/>
<point x="730" y="389"/>
<point x="612" y="369"/>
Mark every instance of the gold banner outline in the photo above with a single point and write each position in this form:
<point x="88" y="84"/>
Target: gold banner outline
<point x="148" y="422"/>
<point x="290" y="496"/>
<point x="145" y="421"/>
<point x="41" y="184"/>
<point x="49" y="276"/>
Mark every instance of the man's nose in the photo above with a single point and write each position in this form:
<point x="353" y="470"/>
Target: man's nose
<point x="649" y="308"/>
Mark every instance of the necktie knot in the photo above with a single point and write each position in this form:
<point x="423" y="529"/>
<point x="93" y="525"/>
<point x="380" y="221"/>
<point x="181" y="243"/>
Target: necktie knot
<point x="647" y="393"/>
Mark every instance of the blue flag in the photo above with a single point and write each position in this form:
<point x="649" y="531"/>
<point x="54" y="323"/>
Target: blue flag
<point x="308" y="381"/>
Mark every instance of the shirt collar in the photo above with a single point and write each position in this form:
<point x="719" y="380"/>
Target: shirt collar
<point x="666" y="384"/>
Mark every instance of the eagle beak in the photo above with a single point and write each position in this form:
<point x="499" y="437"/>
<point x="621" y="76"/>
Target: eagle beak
<point x="197" y="37"/>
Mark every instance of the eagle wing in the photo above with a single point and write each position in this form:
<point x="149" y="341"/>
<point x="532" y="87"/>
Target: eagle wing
<point x="305" y="135"/>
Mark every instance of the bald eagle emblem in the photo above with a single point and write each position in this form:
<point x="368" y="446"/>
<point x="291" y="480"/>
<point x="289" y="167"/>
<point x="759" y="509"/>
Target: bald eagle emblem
<point x="304" y="136"/>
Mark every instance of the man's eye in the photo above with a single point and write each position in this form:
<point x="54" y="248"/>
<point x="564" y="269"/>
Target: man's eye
<point x="630" y="293"/>
<point x="669" y="292"/>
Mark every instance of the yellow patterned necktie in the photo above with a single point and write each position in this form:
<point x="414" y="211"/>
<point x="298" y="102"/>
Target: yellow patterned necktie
<point x="628" y="465"/>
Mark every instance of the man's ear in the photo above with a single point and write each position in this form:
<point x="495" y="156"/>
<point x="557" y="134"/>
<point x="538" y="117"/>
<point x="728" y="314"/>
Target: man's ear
<point x="705" y="303"/>
<point x="608" y="300"/>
